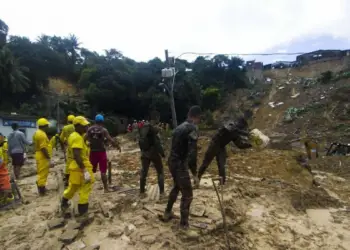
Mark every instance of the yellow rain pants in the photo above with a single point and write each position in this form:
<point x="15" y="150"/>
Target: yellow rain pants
<point x="43" y="168"/>
<point x="78" y="184"/>
<point x="69" y="159"/>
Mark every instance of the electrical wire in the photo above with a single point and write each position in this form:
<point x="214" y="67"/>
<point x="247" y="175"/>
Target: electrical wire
<point x="242" y="54"/>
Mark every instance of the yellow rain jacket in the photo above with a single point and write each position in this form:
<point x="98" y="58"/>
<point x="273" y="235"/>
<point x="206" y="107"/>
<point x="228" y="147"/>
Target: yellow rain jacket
<point x="3" y="151"/>
<point x="41" y="141"/>
<point x="66" y="132"/>
<point x="76" y="178"/>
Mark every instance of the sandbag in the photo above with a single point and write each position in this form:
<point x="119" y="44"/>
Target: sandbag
<point x="258" y="139"/>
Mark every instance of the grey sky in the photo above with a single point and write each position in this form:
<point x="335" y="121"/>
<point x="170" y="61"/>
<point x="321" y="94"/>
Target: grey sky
<point x="143" y="29"/>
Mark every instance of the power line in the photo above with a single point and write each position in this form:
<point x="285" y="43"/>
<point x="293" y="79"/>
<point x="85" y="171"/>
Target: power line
<point x="241" y="54"/>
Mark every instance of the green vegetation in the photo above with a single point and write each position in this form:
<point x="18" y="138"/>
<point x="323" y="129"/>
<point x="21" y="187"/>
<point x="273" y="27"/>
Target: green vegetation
<point x="328" y="76"/>
<point x="111" y="83"/>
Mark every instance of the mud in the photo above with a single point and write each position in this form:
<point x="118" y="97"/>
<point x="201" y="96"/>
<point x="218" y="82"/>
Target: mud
<point x="269" y="203"/>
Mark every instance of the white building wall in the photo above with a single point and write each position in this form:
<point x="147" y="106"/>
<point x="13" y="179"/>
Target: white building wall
<point x="6" y="130"/>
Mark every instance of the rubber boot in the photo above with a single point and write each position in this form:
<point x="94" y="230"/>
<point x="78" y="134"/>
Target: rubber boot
<point x="187" y="232"/>
<point x="83" y="217"/>
<point x="64" y="205"/>
<point x="105" y="183"/>
<point x="83" y="209"/>
<point x="42" y="190"/>
<point x="168" y="216"/>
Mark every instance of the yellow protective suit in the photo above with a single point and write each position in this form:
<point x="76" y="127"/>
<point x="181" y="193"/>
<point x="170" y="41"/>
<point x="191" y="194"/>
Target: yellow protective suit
<point x="66" y="132"/>
<point x="76" y="178"/>
<point x="43" y="164"/>
<point x="4" y="149"/>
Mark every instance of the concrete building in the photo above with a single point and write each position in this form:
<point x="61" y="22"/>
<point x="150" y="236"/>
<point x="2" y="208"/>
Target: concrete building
<point x="27" y="124"/>
<point x="254" y="71"/>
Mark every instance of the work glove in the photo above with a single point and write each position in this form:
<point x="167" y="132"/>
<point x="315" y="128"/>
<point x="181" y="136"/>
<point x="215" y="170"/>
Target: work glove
<point x="87" y="176"/>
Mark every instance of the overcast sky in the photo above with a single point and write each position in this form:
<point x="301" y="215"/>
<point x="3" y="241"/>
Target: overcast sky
<point x="142" y="29"/>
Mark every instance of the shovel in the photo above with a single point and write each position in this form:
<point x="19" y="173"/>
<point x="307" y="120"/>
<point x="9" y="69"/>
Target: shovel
<point x="222" y="208"/>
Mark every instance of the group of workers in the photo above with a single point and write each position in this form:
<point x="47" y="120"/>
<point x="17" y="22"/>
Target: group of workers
<point x="183" y="157"/>
<point x="84" y="149"/>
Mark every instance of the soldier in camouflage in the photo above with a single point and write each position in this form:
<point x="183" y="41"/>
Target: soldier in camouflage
<point x="183" y="156"/>
<point x="237" y="132"/>
<point x="151" y="151"/>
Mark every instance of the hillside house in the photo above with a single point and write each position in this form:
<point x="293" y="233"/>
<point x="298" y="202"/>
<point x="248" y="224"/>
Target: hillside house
<point x="254" y="71"/>
<point x="319" y="55"/>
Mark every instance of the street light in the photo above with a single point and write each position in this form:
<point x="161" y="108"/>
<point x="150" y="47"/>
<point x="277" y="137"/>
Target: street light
<point x="170" y="73"/>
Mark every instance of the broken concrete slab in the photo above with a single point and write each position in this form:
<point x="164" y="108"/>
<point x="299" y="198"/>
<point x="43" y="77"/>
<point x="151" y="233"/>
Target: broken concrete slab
<point x="116" y="232"/>
<point x="77" y="245"/>
<point x="149" y="239"/>
<point x="69" y="236"/>
<point x="111" y="244"/>
<point x="197" y="210"/>
<point x="129" y="229"/>
<point x="73" y="225"/>
<point x="55" y="223"/>
<point x="94" y="247"/>
<point x="40" y="232"/>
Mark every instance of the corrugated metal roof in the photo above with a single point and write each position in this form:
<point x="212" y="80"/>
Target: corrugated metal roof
<point x="17" y="116"/>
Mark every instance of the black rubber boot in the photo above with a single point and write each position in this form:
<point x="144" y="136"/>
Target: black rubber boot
<point x="83" y="208"/>
<point x="64" y="204"/>
<point x="42" y="191"/>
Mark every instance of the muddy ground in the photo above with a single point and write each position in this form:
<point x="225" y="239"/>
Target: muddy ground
<point x="269" y="204"/>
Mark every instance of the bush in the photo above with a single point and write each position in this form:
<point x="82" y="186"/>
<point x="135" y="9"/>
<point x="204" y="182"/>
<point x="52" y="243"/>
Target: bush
<point x="208" y="118"/>
<point x="326" y="77"/>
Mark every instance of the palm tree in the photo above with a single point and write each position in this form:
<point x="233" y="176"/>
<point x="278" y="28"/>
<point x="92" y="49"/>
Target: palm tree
<point x="72" y="44"/>
<point x="44" y="40"/>
<point x="12" y="78"/>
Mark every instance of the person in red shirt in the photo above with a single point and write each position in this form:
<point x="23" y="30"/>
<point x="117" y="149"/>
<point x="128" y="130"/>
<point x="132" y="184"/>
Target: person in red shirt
<point x="96" y="135"/>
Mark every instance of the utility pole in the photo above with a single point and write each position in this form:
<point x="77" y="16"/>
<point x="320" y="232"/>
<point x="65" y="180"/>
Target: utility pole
<point x="170" y="83"/>
<point x="58" y="114"/>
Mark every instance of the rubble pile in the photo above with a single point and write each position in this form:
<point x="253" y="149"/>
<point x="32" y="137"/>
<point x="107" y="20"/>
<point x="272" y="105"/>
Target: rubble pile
<point x="269" y="203"/>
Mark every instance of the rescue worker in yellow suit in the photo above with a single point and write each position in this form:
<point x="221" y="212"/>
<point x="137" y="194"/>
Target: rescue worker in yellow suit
<point x="6" y="195"/>
<point x="65" y="133"/>
<point x="53" y="141"/>
<point x="81" y="176"/>
<point x="4" y="148"/>
<point x="42" y="154"/>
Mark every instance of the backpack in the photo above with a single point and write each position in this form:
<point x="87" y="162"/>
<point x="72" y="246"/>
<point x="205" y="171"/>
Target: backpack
<point x="146" y="138"/>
